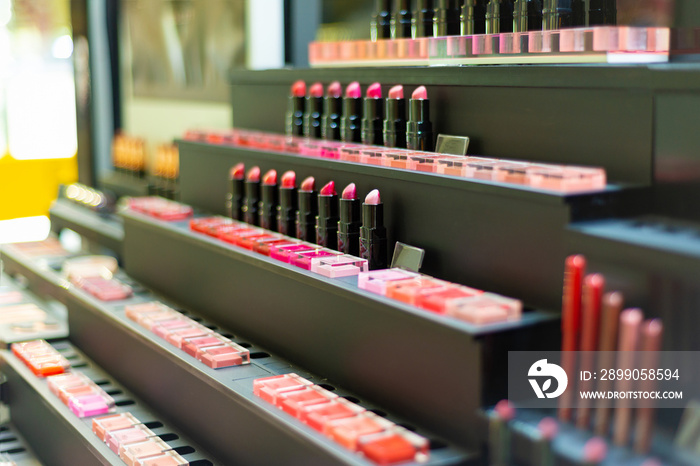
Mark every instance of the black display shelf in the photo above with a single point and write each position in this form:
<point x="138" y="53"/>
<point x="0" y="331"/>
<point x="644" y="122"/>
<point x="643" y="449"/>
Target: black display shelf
<point x="66" y="439"/>
<point x="122" y="184"/>
<point x="105" y="230"/>
<point x="220" y="411"/>
<point x="655" y="262"/>
<point x="504" y="238"/>
<point x="367" y="343"/>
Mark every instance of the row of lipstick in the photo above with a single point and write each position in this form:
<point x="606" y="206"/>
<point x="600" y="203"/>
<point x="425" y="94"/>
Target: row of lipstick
<point x="594" y="321"/>
<point x="561" y="178"/>
<point x="350" y="118"/>
<point x="344" y="224"/>
<point x="348" y="424"/>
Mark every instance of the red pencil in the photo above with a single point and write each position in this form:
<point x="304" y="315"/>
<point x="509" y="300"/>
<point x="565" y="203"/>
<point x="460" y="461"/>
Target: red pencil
<point x="570" y="324"/>
<point x="590" y="323"/>
<point x="610" y="316"/>
<point x="630" y="323"/>
<point x="652" y="331"/>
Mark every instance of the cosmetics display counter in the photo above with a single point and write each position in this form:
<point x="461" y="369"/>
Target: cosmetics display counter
<point x="104" y="230"/>
<point x="221" y="413"/>
<point x="63" y="436"/>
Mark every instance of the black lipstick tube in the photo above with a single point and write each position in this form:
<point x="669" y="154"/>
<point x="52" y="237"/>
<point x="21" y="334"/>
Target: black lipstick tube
<point x="446" y="18"/>
<point x="327" y="222"/>
<point x="602" y="12"/>
<point x="330" y="121"/>
<point x="473" y="17"/>
<point x="237" y="198"/>
<point x="422" y="24"/>
<point x="295" y="115"/>
<point x="312" y="117"/>
<point x="349" y="227"/>
<point x="250" y="203"/>
<point x="401" y="20"/>
<point x="286" y="211"/>
<point x="419" y="129"/>
<point x="268" y="206"/>
<point x="306" y="216"/>
<point x="395" y="123"/>
<point x="372" y="122"/>
<point x="557" y="14"/>
<point x="499" y="16"/>
<point x="527" y="15"/>
<point x="350" y="122"/>
<point x="373" y="236"/>
<point x="380" y="25"/>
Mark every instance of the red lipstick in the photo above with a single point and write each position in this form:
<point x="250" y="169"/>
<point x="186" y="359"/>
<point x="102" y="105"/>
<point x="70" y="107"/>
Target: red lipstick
<point x="314" y="107"/>
<point x="327" y="219"/>
<point x="419" y="129"/>
<point x="395" y="122"/>
<point x="332" y="109"/>
<point x="373" y="116"/>
<point x="308" y="208"/>
<point x="350" y="122"/>
<point x="237" y="176"/>
<point x="373" y="234"/>
<point x="287" y="208"/>
<point x="252" y="196"/>
<point x="297" y="105"/>
<point x="268" y="201"/>
<point x="349" y="223"/>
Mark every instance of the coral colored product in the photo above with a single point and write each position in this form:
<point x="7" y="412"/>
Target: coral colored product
<point x="377" y="281"/>
<point x="268" y="201"/>
<point x="318" y="416"/>
<point x="348" y="431"/>
<point x="104" y="290"/>
<point x="176" y="337"/>
<point x="133" y="452"/>
<point x="373" y="116"/>
<point x="394" y="128"/>
<point x="332" y="110"/>
<point x="295" y="401"/>
<point x="396" y="445"/>
<point x="312" y="112"/>
<point x="327" y="218"/>
<point x="270" y="388"/>
<point x="350" y="122"/>
<point x="227" y="355"/>
<point x="408" y="291"/>
<point x="485" y="308"/>
<point x="40" y="357"/>
<point x="117" y="438"/>
<point x="308" y="209"/>
<point x="437" y="300"/>
<point x="297" y="105"/>
<point x="373" y="242"/>
<point x="349" y="222"/>
<point x="419" y="129"/>
<point x="101" y="426"/>
<point x="237" y="177"/>
<point x="287" y="208"/>
<point x="252" y="196"/>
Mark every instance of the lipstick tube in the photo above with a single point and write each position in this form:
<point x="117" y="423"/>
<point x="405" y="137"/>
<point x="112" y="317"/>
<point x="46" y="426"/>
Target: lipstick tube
<point x="349" y="227"/>
<point x="373" y="243"/>
<point x="395" y="122"/>
<point x="252" y="198"/>
<point x="372" y="121"/>
<point x="499" y="16"/>
<point x="268" y="204"/>
<point x="296" y="107"/>
<point x="380" y="25"/>
<point x="557" y="14"/>
<point x="422" y="23"/>
<point x="419" y="129"/>
<point x="306" y="215"/>
<point x="602" y="12"/>
<point x="286" y="211"/>
<point x="312" y="115"/>
<point x="446" y="18"/>
<point x="327" y="218"/>
<point x="330" y="121"/>
<point x="473" y="17"/>
<point x="401" y="20"/>
<point x="237" y="188"/>
<point x="350" y="122"/>
<point x="527" y="15"/>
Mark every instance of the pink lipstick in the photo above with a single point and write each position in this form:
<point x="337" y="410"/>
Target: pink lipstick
<point x="237" y="176"/>
<point x="295" y="113"/>
<point x="395" y="122"/>
<point x="350" y="122"/>
<point x="372" y="233"/>
<point x="252" y="196"/>
<point x="308" y="208"/>
<point x="373" y="116"/>
<point x="419" y="129"/>
<point x="268" y="201"/>
<point x="286" y="211"/>
<point x="327" y="219"/>
<point x="332" y="109"/>
<point x="349" y="223"/>
<point x="314" y="107"/>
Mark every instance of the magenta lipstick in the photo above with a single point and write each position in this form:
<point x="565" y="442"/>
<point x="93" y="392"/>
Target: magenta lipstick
<point x="419" y="129"/>
<point x="349" y="223"/>
<point x="350" y="130"/>
<point x="308" y="209"/>
<point x="327" y="218"/>
<point x="297" y="105"/>
<point x="268" y="201"/>
<point x="373" y="116"/>
<point x="252" y="196"/>
<point x="395" y="122"/>
<point x="332" y="109"/>
<point x="237" y="176"/>
<point x="373" y="245"/>
<point x="287" y="209"/>
<point x="314" y="107"/>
